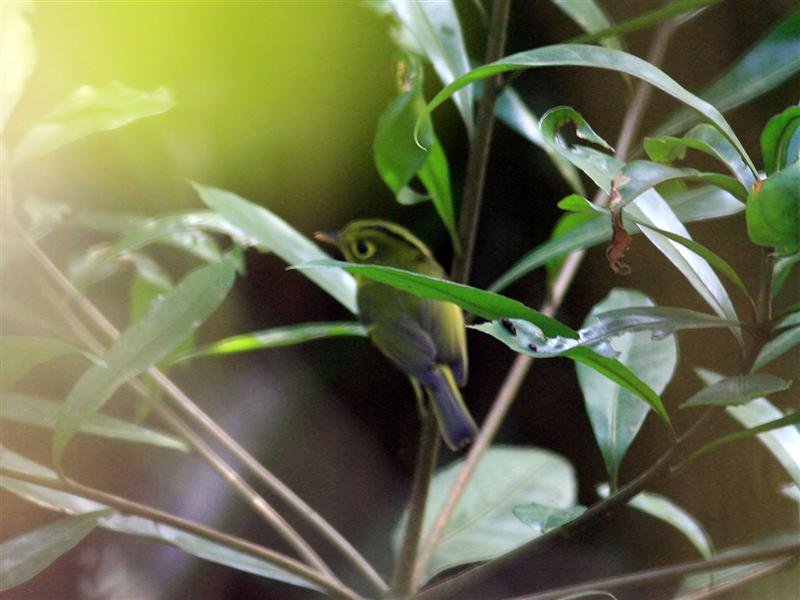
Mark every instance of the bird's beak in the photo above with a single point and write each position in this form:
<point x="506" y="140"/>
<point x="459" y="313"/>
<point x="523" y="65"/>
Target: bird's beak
<point x="329" y="237"/>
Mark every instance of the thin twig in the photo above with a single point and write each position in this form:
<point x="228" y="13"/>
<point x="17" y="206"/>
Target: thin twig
<point x="202" y="420"/>
<point x="402" y="580"/>
<point x="126" y="506"/>
<point x="522" y="363"/>
<point x="670" y="572"/>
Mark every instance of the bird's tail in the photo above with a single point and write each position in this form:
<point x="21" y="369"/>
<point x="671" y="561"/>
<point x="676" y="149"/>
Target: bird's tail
<point x="455" y="423"/>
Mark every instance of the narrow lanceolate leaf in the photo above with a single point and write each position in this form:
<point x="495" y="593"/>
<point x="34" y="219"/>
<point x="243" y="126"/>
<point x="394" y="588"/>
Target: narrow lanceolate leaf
<point x="776" y="347"/>
<point x="780" y="272"/>
<point x="273" y="233"/>
<point x="596" y="57"/>
<point x="25" y="556"/>
<point x="278" y="337"/>
<point x="483" y="525"/>
<point x="44" y="413"/>
<point x="738" y="389"/>
<point x="144" y="344"/>
<point x="589" y="15"/>
<point x="783" y="443"/>
<point x="666" y="510"/>
<point x="433" y="30"/>
<point x="137" y="526"/>
<point x="695" y="205"/>
<point x="704" y="138"/>
<point x="780" y="140"/>
<point x="773" y="210"/>
<point x="790" y="320"/>
<point x="615" y="413"/>
<point x="544" y="518"/>
<point x="18" y="56"/>
<point x="770" y="62"/>
<point x="89" y="110"/>
<point x="22" y="353"/>
<point x="494" y="306"/>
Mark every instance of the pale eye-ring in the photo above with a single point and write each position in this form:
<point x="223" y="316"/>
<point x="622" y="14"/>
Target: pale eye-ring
<point x="363" y="249"/>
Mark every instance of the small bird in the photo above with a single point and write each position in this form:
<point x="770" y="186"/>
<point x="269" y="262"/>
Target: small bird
<point x="424" y="338"/>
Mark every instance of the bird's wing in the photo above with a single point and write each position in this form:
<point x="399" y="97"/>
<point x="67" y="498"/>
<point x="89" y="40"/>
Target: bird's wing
<point x="445" y="323"/>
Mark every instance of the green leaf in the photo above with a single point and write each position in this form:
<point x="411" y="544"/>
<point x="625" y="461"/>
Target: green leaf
<point x="138" y="526"/>
<point x="494" y="306"/>
<point x="666" y="510"/>
<point x="783" y="443"/>
<point x="435" y="176"/>
<point x="278" y="337"/>
<point x="780" y="272"/>
<point x="513" y="111"/>
<point x="576" y="203"/>
<point x="704" y="138"/>
<point x="483" y="525"/>
<point x="738" y="389"/>
<point x="544" y="518"/>
<point x="789" y="320"/>
<point x="668" y="11"/>
<point x="696" y="205"/>
<point x="770" y="62"/>
<point x="40" y="412"/>
<point x="433" y="30"/>
<point x="776" y="347"/>
<point x="780" y="140"/>
<point x="615" y="413"/>
<point x="773" y="210"/>
<point x="24" y="557"/>
<point x="18" y="56"/>
<point x="566" y="227"/>
<point x="710" y="257"/>
<point x="589" y="15"/>
<point x="89" y="110"/>
<point x="146" y="343"/>
<point x="273" y="233"/>
<point x="22" y="353"/>
<point x="593" y="56"/>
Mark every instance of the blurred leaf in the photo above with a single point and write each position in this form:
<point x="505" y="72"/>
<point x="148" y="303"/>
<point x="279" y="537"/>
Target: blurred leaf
<point x="24" y="557"/>
<point x="666" y="510"/>
<point x="780" y="272"/>
<point x="513" y="111"/>
<point x="695" y="205"/>
<point x="773" y="210"/>
<point x="704" y="138"/>
<point x="44" y="413"/>
<point x="615" y="413"/>
<point x="278" y="337"/>
<point x="792" y="491"/>
<point x="576" y="203"/>
<point x="566" y="227"/>
<point x="166" y="324"/>
<point x="790" y="320"/>
<point x="89" y="110"/>
<point x="780" y="140"/>
<point x="483" y="525"/>
<point x="18" y="56"/>
<point x="138" y="526"/>
<point x="776" y="347"/>
<point x="638" y="176"/>
<point x="494" y="306"/>
<point x="660" y="320"/>
<point x="433" y="30"/>
<point x="22" y="353"/>
<point x="597" y="57"/>
<point x="783" y="443"/>
<point x="273" y="233"/>
<point x="770" y="62"/>
<point x="590" y="16"/>
<point x="738" y="389"/>
<point x="710" y="257"/>
<point x="544" y="518"/>
<point x="668" y="11"/>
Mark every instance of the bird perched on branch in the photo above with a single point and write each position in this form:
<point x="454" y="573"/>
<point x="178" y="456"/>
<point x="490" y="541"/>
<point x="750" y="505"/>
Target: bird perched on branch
<point x="424" y="338"/>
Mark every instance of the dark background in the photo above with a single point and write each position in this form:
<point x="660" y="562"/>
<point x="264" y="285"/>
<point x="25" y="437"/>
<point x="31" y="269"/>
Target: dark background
<point x="278" y="103"/>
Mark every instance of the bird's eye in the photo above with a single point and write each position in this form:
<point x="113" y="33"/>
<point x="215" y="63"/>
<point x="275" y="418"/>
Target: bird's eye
<point x="363" y="249"/>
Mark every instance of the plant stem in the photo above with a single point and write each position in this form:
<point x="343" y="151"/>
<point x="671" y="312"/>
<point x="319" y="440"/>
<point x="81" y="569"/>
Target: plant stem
<point x="470" y="578"/>
<point x="205" y="423"/>
<point x="402" y="581"/>
<point x="126" y="506"/>
<point x="670" y="572"/>
<point x="406" y="567"/>
<point x="764" y="310"/>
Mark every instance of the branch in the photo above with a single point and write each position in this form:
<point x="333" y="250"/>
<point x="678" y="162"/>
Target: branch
<point x="125" y="506"/>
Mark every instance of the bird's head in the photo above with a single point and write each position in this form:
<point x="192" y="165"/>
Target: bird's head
<point x="378" y="243"/>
